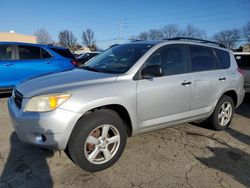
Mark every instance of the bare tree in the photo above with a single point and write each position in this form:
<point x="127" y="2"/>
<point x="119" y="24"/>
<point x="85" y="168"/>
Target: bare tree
<point x="152" y="34"/>
<point x="228" y="37"/>
<point x="155" y="34"/>
<point x="171" y="30"/>
<point x="142" y="36"/>
<point x="89" y="40"/>
<point x="43" y="36"/>
<point x="67" y="39"/>
<point x="193" y="32"/>
<point x="246" y="32"/>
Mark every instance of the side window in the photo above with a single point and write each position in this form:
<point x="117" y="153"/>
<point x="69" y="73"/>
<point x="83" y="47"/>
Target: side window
<point x="223" y="57"/>
<point x="5" y="52"/>
<point x="29" y="52"/>
<point x="171" y="58"/>
<point x="155" y="59"/>
<point x="45" y="54"/>
<point x="201" y="58"/>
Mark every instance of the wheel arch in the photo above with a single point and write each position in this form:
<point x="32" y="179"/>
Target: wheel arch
<point x="233" y="95"/>
<point x="121" y="111"/>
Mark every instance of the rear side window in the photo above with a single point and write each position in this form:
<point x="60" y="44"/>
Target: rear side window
<point x="63" y="52"/>
<point x="29" y="52"/>
<point x="201" y="58"/>
<point x="223" y="57"/>
<point x="172" y="59"/>
<point x="45" y="54"/>
<point x="5" y="52"/>
<point x="243" y="61"/>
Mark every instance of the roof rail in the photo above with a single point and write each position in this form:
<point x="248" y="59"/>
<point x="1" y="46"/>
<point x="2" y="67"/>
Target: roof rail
<point x="136" y="40"/>
<point x="195" y="39"/>
<point x="111" y="46"/>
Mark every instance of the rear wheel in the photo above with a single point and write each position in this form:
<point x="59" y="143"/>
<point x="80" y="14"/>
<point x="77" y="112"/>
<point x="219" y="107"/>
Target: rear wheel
<point x="223" y="114"/>
<point x="98" y="140"/>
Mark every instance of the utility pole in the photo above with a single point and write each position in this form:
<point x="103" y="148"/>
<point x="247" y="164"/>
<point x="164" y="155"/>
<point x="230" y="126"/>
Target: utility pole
<point x="122" y="26"/>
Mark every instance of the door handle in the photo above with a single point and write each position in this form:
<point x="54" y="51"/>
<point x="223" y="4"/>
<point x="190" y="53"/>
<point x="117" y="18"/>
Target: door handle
<point x="186" y="83"/>
<point x="48" y="62"/>
<point x="222" y="78"/>
<point x="8" y="64"/>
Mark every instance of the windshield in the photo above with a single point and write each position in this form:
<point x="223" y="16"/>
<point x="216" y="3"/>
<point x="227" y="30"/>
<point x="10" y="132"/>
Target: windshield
<point x="118" y="59"/>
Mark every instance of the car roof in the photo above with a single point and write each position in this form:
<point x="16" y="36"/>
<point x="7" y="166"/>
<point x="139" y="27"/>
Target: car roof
<point x="155" y="42"/>
<point x="152" y="42"/>
<point x="32" y="44"/>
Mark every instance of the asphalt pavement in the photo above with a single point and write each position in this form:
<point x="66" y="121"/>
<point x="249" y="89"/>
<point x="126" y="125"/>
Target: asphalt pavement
<point x="189" y="155"/>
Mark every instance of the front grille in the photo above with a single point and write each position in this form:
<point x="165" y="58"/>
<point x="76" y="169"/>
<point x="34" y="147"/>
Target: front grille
<point x="18" y="98"/>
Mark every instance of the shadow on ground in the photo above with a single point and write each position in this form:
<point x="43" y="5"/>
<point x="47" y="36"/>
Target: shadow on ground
<point x="26" y="166"/>
<point x="228" y="159"/>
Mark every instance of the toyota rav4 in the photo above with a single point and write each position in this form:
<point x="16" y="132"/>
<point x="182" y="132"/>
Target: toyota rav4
<point x="128" y="89"/>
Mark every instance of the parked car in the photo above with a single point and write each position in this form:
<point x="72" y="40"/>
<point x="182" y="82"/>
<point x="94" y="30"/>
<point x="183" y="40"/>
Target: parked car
<point x="83" y="58"/>
<point x="243" y="60"/>
<point x="20" y="61"/>
<point x="128" y="89"/>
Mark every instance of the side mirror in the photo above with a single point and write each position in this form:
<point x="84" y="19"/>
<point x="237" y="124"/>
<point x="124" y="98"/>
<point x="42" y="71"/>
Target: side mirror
<point x="152" y="71"/>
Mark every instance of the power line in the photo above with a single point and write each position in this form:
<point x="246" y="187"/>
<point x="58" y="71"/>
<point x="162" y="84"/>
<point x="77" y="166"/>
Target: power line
<point x="199" y="20"/>
<point x="146" y="20"/>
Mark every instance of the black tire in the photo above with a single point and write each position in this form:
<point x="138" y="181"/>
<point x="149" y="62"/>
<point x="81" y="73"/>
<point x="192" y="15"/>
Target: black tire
<point x="84" y="127"/>
<point x="213" y="120"/>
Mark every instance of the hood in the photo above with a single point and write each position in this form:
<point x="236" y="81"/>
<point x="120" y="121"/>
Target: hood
<point x="62" y="82"/>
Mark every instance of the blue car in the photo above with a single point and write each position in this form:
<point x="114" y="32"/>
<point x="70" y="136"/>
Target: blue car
<point x="20" y="61"/>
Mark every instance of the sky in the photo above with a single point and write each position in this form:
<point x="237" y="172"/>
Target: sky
<point x="111" y="19"/>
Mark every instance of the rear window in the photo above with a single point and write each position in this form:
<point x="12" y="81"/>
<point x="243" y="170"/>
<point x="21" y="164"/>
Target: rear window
<point x="223" y="57"/>
<point x="243" y="61"/>
<point x="63" y="52"/>
<point x="201" y="58"/>
<point x="29" y="52"/>
<point x="45" y="54"/>
<point x="5" y="52"/>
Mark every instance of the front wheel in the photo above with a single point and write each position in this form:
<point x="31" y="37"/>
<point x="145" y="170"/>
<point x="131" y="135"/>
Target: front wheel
<point x="223" y="114"/>
<point x="98" y="140"/>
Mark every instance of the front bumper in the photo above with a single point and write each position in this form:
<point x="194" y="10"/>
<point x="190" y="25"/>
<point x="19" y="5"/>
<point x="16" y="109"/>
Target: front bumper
<point x="50" y="130"/>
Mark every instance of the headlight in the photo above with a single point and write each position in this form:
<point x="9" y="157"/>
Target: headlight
<point x="45" y="103"/>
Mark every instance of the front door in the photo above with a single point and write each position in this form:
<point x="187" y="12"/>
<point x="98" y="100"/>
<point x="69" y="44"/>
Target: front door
<point x="8" y="72"/>
<point x="167" y="98"/>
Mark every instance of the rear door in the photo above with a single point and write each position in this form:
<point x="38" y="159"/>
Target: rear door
<point x="8" y="71"/>
<point x="208" y="79"/>
<point x="64" y="59"/>
<point x="33" y="61"/>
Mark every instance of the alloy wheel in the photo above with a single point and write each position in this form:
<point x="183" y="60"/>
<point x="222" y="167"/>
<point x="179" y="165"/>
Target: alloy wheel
<point x="225" y="113"/>
<point x="102" y="144"/>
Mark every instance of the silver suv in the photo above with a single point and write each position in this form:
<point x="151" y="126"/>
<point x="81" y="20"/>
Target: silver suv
<point x="128" y="89"/>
